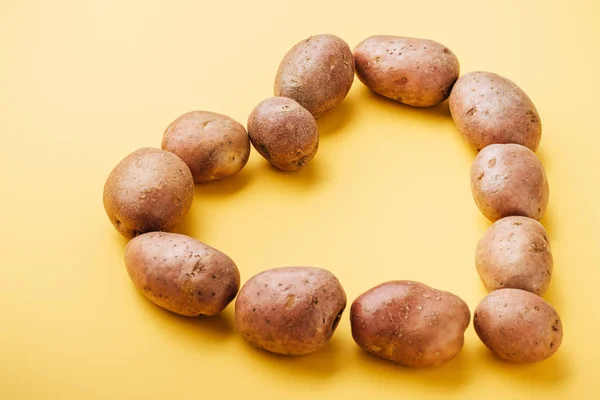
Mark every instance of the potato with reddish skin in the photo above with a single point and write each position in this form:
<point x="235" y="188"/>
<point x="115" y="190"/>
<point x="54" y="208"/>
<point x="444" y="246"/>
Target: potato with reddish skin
<point x="508" y="179"/>
<point x="416" y="72"/>
<point x="490" y="109"/>
<point x="290" y="310"/>
<point x="518" y="326"/>
<point x="410" y="323"/>
<point x="212" y="145"/>
<point x="284" y="133"/>
<point x="149" y="190"/>
<point x="515" y="253"/>
<point x="181" y="274"/>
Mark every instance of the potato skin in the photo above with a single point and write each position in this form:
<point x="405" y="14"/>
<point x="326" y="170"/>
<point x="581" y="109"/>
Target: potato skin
<point x="416" y="72"/>
<point x="283" y="132"/>
<point x="410" y="323"/>
<point x="149" y="190"/>
<point x="181" y="274"/>
<point x="490" y="109"/>
<point x="317" y="72"/>
<point x="212" y="145"/>
<point x="290" y="310"/>
<point x="515" y="253"/>
<point x="518" y="326"/>
<point x="508" y="179"/>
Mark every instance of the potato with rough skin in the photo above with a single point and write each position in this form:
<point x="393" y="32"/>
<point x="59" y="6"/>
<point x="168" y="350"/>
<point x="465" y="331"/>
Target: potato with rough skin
<point x="284" y="133"/>
<point x="181" y="274"/>
<point x="508" y="179"/>
<point x="410" y="323"/>
<point x="212" y="145"/>
<point x="416" y="72"/>
<point x="518" y="326"/>
<point x="515" y="253"/>
<point x="490" y="109"/>
<point x="149" y="190"/>
<point x="290" y="310"/>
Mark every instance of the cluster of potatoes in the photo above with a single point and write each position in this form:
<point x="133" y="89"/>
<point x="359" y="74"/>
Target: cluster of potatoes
<point x="295" y="310"/>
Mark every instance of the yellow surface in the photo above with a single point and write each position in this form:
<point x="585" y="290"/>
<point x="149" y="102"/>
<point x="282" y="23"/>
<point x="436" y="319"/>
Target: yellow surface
<point x="84" y="83"/>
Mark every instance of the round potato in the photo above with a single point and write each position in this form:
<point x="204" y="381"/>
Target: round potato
<point x="410" y="323"/>
<point x="284" y="133"/>
<point x="417" y="72"/>
<point x="212" y="145"/>
<point x="317" y="72"/>
<point x="489" y="109"/>
<point x="290" y="310"/>
<point x="149" y="190"/>
<point x="515" y="253"/>
<point x="181" y="274"/>
<point x="508" y="179"/>
<point x="518" y="326"/>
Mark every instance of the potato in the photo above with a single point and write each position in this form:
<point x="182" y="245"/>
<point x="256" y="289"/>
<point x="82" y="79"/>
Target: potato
<point x="149" y="190"/>
<point x="518" y="326"/>
<point x="317" y="72"/>
<point x="212" y="145"/>
<point x="417" y="72"/>
<point x="290" y="310"/>
<point x="515" y="253"/>
<point x="508" y="179"/>
<point x="181" y="274"/>
<point x="284" y="133"/>
<point x="489" y="109"/>
<point x="410" y="323"/>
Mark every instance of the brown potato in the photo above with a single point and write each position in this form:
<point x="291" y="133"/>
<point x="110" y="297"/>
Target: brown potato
<point x="518" y="326"/>
<point x="149" y="190"/>
<point x="417" y="72"/>
<point x="212" y="145"/>
<point x="515" y="253"/>
<point x="181" y="274"/>
<point x="489" y="109"/>
<point x="290" y="310"/>
<point x="284" y="133"/>
<point x="410" y="323"/>
<point x="317" y="72"/>
<point x="508" y="179"/>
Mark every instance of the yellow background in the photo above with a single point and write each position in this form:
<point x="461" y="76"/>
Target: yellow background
<point x="84" y="83"/>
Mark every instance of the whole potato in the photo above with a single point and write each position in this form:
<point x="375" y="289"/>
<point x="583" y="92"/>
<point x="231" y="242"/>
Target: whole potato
<point x="518" y="326"/>
<point x="417" y="72"/>
<point x="410" y="323"/>
<point x="290" y="310"/>
<point x="284" y="133"/>
<point x="489" y="109"/>
<point x="508" y="179"/>
<point x="181" y="274"/>
<point x="317" y="72"/>
<point x="515" y="253"/>
<point x="149" y="190"/>
<point x="212" y="145"/>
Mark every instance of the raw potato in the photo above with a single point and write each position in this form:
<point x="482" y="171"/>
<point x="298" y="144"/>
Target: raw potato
<point x="290" y="310"/>
<point x="515" y="253"/>
<point x="284" y="133"/>
<point x="410" y="323"/>
<point x="518" y="326"/>
<point x="489" y="109"/>
<point x="149" y="190"/>
<point x="317" y="72"/>
<point x="181" y="274"/>
<point x="212" y="145"/>
<point x="417" y="72"/>
<point x="508" y="179"/>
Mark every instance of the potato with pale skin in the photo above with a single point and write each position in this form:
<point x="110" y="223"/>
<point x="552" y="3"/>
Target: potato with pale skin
<point x="181" y="274"/>
<point x="410" y="323"/>
<point x="290" y="310"/>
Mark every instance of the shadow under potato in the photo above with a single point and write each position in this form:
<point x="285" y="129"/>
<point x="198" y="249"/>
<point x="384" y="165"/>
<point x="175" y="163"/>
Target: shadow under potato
<point x="335" y="120"/>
